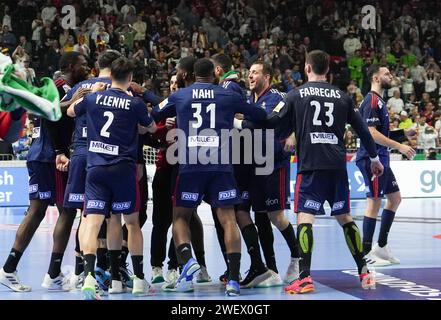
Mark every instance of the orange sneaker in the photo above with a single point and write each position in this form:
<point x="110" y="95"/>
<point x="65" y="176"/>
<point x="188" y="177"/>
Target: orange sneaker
<point x="304" y="285"/>
<point x="367" y="280"/>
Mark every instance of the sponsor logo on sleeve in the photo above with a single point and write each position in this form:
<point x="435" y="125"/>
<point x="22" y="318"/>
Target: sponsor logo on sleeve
<point x="84" y="133"/>
<point x="163" y="104"/>
<point x="228" y="194"/>
<point x="189" y="196"/>
<point x="338" y="205"/>
<point x="36" y="133"/>
<point x="279" y="106"/>
<point x="373" y="120"/>
<point x="119" y="206"/>
<point x="76" y="197"/>
<point x="323" y="137"/>
<point x="311" y="204"/>
<point x="95" y="204"/>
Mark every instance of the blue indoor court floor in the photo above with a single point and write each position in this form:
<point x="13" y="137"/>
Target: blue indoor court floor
<point x="415" y="239"/>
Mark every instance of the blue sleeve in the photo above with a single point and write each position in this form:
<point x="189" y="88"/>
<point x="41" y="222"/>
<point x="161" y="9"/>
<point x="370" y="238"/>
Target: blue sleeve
<point x="152" y="98"/>
<point x="70" y="93"/>
<point x="166" y="109"/>
<point x="144" y="118"/>
<point x="80" y="108"/>
<point x="369" y="110"/>
<point x="252" y="112"/>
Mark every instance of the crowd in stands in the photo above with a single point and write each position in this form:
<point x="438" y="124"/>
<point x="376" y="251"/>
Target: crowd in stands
<point x="158" y="33"/>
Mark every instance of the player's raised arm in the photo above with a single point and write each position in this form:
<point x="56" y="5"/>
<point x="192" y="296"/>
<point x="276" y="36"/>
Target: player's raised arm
<point x="166" y="109"/>
<point x="77" y="108"/>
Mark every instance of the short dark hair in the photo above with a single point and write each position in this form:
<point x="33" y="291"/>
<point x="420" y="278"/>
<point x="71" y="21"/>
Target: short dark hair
<point x="69" y="58"/>
<point x="222" y="60"/>
<point x="121" y="69"/>
<point x="203" y="68"/>
<point x="107" y="57"/>
<point x="187" y="64"/>
<point x="374" y="69"/>
<point x="266" y="67"/>
<point x="319" y="61"/>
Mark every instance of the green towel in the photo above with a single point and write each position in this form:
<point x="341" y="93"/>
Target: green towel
<point x="42" y="101"/>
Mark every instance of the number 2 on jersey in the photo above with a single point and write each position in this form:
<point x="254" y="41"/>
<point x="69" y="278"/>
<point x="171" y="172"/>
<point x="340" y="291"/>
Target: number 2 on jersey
<point x="211" y="108"/>
<point x="316" y="121"/>
<point x="109" y="115"/>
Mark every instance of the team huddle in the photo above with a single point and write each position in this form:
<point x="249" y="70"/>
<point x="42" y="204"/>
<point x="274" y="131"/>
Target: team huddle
<point x="91" y="159"/>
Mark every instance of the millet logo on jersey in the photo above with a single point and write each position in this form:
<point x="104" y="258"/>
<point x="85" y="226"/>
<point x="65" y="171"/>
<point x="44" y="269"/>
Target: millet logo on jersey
<point x="203" y="141"/>
<point x="338" y="205"/>
<point x="95" y="204"/>
<point x="117" y="206"/>
<point x="33" y="188"/>
<point x="323" y="137"/>
<point x="229" y="194"/>
<point x="100" y="147"/>
<point x="311" y="204"/>
<point x="372" y="120"/>
<point x="189" y="196"/>
<point x="44" y="195"/>
<point x="76" y="197"/>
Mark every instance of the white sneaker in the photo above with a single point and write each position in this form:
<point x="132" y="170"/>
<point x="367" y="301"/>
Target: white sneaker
<point x="76" y="281"/>
<point x="116" y="286"/>
<point x="141" y="287"/>
<point x="203" y="276"/>
<point x="60" y="283"/>
<point x="274" y="281"/>
<point x="157" y="276"/>
<point x="385" y="253"/>
<point x="293" y="271"/>
<point x="182" y="286"/>
<point x="171" y="276"/>
<point x="12" y="281"/>
<point x="91" y="289"/>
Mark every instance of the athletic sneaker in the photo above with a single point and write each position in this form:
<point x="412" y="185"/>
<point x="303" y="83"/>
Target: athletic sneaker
<point x="91" y="289"/>
<point x="367" y="279"/>
<point x="293" y="271"/>
<point x="60" y="283"/>
<point x="141" y="287"/>
<point x="12" y="281"/>
<point x="232" y="288"/>
<point x="76" y="281"/>
<point x="172" y="275"/>
<point x="374" y="261"/>
<point x="223" y="278"/>
<point x="384" y="253"/>
<point x="103" y="278"/>
<point x="189" y="271"/>
<point x="126" y="276"/>
<point x="183" y="286"/>
<point x="273" y="281"/>
<point x="117" y="286"/>
<point x="300" y="286"/>
<point x="255" y="277"/>
<point x="203" y="276"/>
<point x="157" y="276"/>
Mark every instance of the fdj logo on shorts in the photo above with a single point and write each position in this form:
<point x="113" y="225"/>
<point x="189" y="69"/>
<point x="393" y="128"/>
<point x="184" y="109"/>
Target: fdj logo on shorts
<point x="44" y="195"/>
<point x="310" y="204"/>
<point x="338" y="205"/>
<point x="229" y="194"/>
<point x="118" y="206"/>
<point x="95" y="204"/>
<point x="189" y="196"/>
<point x="76" y="197"/>
<point x="33" y="188"/>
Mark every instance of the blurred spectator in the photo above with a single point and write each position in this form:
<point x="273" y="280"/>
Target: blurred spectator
<point x="21" y="146"/>
<point x="405" y="121"/>
<point x="395" y="104"/>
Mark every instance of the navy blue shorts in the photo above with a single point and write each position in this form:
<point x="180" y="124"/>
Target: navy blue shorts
<point x="41" y="181"/>
<point x="219" y="189"/>
<point x="377" y="188"/>
<point x="112" y="188"/>
<point x="313" y="188"/>
<point x="76" y="183"/>
<point x="270" y="193"/>
<point x="243" y="174"/>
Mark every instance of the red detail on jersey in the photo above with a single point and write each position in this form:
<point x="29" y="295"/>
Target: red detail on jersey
<point x="60" y="83"/>
<point x="6" y="123"/>
<point x="374" y="101"/>
<point x="438" y="236"/>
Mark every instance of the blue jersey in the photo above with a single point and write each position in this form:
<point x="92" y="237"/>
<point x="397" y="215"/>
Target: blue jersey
<point x="269" y="100"/>
<point x="374" y="111"/>
<point x="112" y="126"/>
<point x="202" y="111"/>
<point x="41" y="148"/>
<point x="233" y="86"/>
<point x="80" y="131"/>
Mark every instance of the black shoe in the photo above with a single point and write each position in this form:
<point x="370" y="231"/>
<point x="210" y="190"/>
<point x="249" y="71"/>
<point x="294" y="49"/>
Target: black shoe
<point x="126" y="276"/>
<point x="224" y="277"/>
<point x="254" y="277"/>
